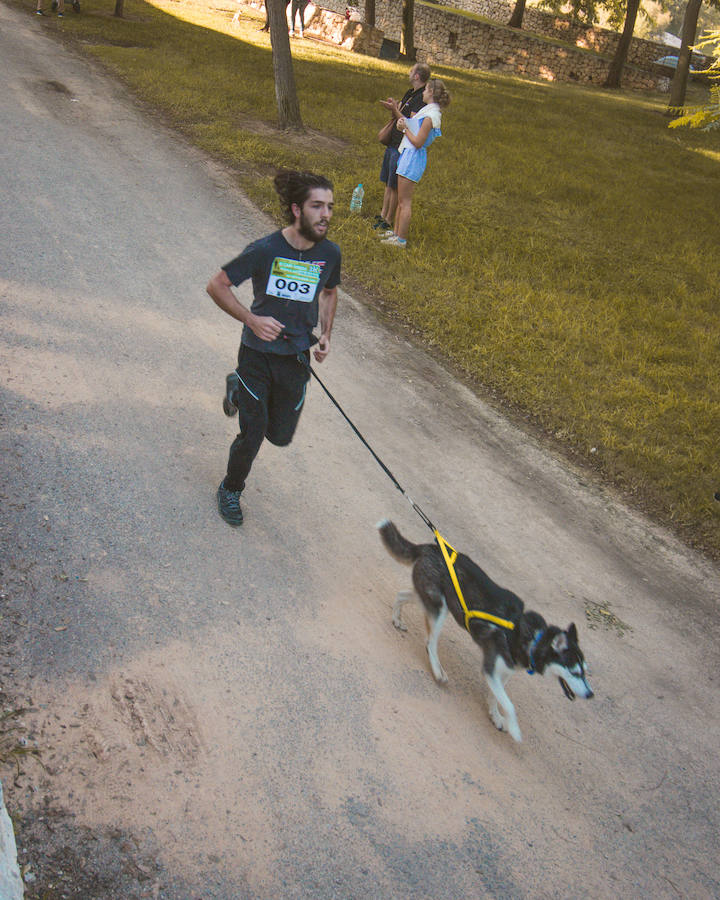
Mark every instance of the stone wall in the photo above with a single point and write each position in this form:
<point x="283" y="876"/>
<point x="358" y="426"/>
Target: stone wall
<point x="332" y="26"/>
<point x="443" y="37"/>
<point x="447" y="38"/>
<point x="562" y="28"/>
<point x="339" y="6"/>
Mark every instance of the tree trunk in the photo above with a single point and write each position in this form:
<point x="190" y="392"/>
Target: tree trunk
<point x="407" y="35"/>
<point x="285" y="90"/>
<point x="517" y="16"/>
<point x="119" y="8"/>
<point x="618" y="61"/>
<point x="370" y="12"/>
<point x="680" y="78"/>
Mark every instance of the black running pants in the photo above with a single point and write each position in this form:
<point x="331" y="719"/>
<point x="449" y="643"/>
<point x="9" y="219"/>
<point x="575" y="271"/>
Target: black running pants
<point x="269" y="399"/>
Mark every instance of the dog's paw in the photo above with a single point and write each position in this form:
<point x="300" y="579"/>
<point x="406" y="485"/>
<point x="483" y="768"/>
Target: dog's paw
<point x="439" y="673"/>
<point x="498" y="719"/>
<point x="508" y="726"/>
<point x="435" y="665"/>
<point x="399" y="624"/>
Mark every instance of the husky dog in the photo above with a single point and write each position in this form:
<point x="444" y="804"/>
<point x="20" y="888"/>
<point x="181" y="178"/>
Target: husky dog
<point x="531" y="643"/>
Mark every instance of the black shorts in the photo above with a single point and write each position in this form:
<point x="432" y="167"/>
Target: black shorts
<point x="271" y="393"/>
<point x="388" y="172"/>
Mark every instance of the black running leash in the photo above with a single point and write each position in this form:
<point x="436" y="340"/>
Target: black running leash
<point x="448" y="552"/>
<point x="377" y="459"/>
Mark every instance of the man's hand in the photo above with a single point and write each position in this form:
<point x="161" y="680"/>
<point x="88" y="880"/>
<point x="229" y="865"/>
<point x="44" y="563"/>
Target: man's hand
<point x="265" y="327"/>
<point x="327" y="304"/>
<point x="392" y="105"/>
<point x="322" y="348"/>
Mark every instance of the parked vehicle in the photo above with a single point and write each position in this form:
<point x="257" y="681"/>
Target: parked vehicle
<point x="672" y="63"/>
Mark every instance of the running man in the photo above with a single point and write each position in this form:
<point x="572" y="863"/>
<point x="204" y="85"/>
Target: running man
<point x="295" y="273"/>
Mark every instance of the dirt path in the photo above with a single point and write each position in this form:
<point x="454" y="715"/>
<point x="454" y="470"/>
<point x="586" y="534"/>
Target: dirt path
<point x="232" y="715"/>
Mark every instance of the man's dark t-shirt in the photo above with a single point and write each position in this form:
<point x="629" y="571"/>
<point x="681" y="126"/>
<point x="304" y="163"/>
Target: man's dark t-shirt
<point x="411" y="102"/>
<point x="286" y="285"/>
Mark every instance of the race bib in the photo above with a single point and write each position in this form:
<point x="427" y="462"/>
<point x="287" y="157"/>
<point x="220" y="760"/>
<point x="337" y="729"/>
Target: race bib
<point x="292" y="279"/>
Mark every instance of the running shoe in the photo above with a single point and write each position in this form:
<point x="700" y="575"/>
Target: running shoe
<point x="229" y="505"/>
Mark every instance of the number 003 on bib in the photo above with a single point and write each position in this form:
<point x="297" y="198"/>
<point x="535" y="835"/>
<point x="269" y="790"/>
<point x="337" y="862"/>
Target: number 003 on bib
<point x="292" y="279"/>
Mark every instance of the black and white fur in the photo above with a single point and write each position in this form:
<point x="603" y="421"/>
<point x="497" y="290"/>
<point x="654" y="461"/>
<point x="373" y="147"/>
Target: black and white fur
<point x="533" y="644"/>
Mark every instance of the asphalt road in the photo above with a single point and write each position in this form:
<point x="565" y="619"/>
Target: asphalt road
<point x="230" y="714"/>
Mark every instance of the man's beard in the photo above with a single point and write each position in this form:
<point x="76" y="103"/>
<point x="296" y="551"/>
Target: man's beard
<point x="307" y="231"/>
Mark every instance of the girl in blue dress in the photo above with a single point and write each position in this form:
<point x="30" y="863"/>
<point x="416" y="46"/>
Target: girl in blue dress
<point x="419" y="132"/>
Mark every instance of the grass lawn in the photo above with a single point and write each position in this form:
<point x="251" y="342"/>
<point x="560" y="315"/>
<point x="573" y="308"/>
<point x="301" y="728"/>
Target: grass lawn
<point x="563" y="251"/>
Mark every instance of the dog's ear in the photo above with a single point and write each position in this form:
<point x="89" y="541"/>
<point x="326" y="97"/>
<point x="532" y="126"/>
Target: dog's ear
<point x="560" y="642"/>
<point x="572" y="633"/>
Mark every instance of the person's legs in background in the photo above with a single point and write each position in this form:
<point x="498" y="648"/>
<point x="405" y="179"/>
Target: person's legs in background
<point x="388" y="175"/>
<point x="297" y="9"/>
<point x="405" y="191"/>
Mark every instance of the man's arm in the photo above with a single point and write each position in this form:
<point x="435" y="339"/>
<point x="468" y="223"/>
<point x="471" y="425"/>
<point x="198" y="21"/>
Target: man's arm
<point x="219" y="288"/>
<point x="392" y="106"/>
<point x="327" y="304"/>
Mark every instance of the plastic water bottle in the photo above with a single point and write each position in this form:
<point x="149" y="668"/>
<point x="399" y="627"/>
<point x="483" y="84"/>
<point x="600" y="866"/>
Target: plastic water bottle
<point x="357" y="198"/>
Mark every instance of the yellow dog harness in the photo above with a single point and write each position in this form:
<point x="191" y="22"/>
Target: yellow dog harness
<point x="450" y="558"/>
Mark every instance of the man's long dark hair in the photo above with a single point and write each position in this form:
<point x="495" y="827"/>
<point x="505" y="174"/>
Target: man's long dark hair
<point x="294" y="187"/>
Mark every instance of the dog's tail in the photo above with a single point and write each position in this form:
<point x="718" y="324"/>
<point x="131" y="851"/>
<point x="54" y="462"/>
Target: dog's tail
<point x="396" y="544"/>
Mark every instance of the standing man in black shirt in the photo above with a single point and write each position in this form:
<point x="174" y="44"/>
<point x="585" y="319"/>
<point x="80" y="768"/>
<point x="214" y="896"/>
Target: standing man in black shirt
<point x="410" y="103"/>
<point x="295" y="273"/>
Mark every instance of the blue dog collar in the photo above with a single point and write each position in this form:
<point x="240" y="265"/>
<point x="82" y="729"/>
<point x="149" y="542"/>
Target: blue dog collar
<point x="536" y="640"/>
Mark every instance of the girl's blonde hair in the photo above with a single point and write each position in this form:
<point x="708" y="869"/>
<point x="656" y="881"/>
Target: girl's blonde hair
<point x="439" y="94"/>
